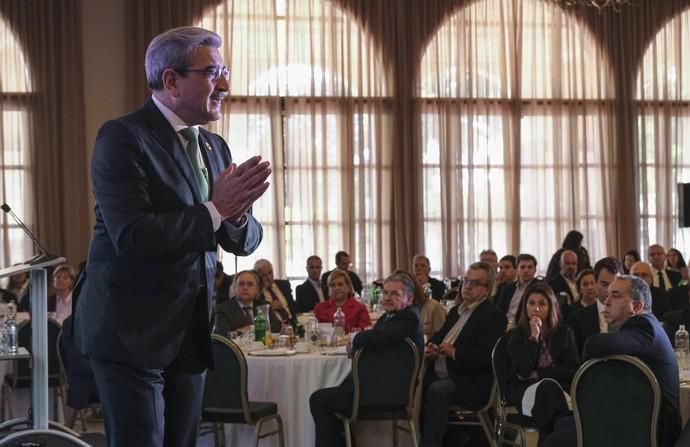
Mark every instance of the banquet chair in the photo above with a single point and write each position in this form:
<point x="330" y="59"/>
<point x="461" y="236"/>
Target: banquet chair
<point x="20" y="377"/>
<point x="458" y="416"/>
<point x="508" y="419"/>
<point x="616" y="402"/>
<point x="226" y="399"/>
<point x="384" y="387"/>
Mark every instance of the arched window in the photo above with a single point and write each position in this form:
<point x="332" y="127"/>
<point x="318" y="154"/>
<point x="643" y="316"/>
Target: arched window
<point x="15" y="162"/>
<point x="515" y="100"/>
<point x="663" y="133"/>
<point x="309" y="94"/>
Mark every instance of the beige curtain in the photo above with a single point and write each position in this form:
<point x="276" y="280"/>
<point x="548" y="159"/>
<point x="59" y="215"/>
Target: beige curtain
<point x="43" y="175"/>
<point x="516" y="134"/>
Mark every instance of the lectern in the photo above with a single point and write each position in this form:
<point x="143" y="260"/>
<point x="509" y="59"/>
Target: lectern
<point x="39" y="350"/>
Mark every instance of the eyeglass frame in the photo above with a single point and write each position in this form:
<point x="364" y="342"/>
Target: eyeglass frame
<point x="473" y="283"/>
<point x="212" y="73"/>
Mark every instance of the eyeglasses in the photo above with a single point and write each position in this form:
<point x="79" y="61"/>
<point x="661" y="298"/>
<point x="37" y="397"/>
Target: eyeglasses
<point x="212" y="73"/>
<point x="472" y="283"/>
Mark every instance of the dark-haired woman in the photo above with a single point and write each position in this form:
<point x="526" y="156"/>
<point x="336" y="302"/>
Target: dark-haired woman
<point x="544" y="359"/>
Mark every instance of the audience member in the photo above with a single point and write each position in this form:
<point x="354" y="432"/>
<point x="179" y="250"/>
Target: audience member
<point x="490" y="257"/>
<point x="459" y="355"/>
<point x="400" y="320"/>
<point x="237" y="314"/>
<point x="672" y="320"/>
<point x="63" y="282"/>
<point x="341" y="295"/>
<point x="17" y="290"/>
<point x="629" y="258"/>
<point x="586" y="283"/>
<point x="675" y="262"/>
<point x="310" y="292"/>
<point x="590" y="320"/>
<point x="342" y="262"/>
<point x="507" y="274"/>
<point x="422" y="267"/>
<point x="661" y="276"/>
<point x="277" y="293"/>
<point x="511" y="295"/>
<point x="544" y="359"/>
<point x="638" y="333"/>
<point x="431" y="311"/>
<point x="660" y="302"/>
<point x="572" y="241"/>
<point x="563" y="284"/>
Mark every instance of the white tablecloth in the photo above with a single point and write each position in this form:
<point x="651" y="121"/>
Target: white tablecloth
<point x="685" y="402"/>
<point x="289" y="381"/>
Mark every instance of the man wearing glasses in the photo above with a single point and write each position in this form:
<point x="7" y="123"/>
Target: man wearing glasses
<point x="167" y="194"/>
<point x="459" y="355"/>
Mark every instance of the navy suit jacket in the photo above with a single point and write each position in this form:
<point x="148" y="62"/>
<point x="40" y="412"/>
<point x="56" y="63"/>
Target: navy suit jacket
<point x="152" y="257"/>
<point x="471" y="369"/>
<point x="584" y="323"/>
<point x="642" y="336"/>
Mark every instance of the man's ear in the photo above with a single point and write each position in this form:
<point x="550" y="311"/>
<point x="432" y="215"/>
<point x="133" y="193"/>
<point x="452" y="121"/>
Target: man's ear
<point x="638" y="307"/>
<point x="170" y="81"/>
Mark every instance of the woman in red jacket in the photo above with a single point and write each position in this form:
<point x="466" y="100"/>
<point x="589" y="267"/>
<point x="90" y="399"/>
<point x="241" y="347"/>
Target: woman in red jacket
<point x="341" y="294"/>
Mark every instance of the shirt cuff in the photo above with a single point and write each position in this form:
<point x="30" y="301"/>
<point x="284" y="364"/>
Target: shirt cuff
<point x="215" y="215"/>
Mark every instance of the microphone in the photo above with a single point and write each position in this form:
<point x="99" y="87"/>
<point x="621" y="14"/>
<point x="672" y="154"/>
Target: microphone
<point x="44" y="254"/>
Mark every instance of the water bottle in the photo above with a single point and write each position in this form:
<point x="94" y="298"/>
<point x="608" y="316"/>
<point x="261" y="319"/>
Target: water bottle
<point x="260" y="327"/>
<point x="682" y="342"/>
<point x="366" y="297"/>
<point x="312" y="335"/>
<point x="11" y="329"/>
<point x="339" y="322"/>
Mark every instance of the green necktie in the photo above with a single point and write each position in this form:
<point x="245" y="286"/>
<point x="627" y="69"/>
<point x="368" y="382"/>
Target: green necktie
<point x="191" y="134"/>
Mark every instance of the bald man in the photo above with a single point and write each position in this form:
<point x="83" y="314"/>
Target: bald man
<point x="563" y="284"/>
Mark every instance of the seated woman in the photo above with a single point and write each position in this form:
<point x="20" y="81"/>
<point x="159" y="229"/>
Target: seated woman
<point x="341" y="294"/>
<point x="237" y="314"/>
<point x="431" y="311"/>
<point x="544" y="359"/>
<point x="586" y="284"/>
<point x="63" y="282"/>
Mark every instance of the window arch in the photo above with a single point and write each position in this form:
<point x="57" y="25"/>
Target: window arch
<point x="309" y="93"/>
<point x="16" y="87"/>
<point x="515" y="134"/>
<point x="662" y="94"/>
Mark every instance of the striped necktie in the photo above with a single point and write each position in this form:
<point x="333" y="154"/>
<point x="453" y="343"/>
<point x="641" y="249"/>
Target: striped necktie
<point x="191" y="134"/>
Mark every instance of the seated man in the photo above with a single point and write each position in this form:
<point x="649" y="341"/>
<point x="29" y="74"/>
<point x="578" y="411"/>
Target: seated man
<point x="342" y="262"/>
<point x="511" y="295"/>
<point x="221" y="285"/>
<point x="506" y="275"/>
<point x="400" y="320"/>
<point x="660" y="303"/>
<point x="310" y="292"/>
<point x="638" y="333"/>
<point x="459" y="355"/>
<point x="277" y="292"/>
<point x="237" y="314"/>
<point x="422" y="268"/>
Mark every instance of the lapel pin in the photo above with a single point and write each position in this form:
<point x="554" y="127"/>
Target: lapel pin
<point x="208" y="146"/>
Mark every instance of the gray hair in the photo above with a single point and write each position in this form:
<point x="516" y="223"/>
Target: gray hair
<point x="488" y="270"/>
<point x="639" y="291"/>
<point x="172" y="48"/>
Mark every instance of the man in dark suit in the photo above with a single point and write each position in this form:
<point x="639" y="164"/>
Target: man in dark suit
<point x="221" y="285"/>
<point x="400" y="320"/>
<point x="167" y="194"/>
<point x="310" y="292"/>
<point x="506" y="275"/>
<point x="459" y="355"/>
<point x="511" y="294"/>
<point x="277" y="292"/>
<point x="638" y="333"/>
<point x="661" y="276"/>
<point x="590" y="320"/>
<point x="422" y="268"/>
<point x="342" y="262"/>
<point x="563" y="284"/>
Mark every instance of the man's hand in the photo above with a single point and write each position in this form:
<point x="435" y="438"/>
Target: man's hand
<point x="238" y="187"/>
<point x="447" y="349"/>
<point x="431" y="351"/>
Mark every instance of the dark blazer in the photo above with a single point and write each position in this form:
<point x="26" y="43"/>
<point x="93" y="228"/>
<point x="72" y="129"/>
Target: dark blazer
<point x="672" y="320"/>
<point x="356" y="282"/>
<point x="584" y="323"/>
<point x="674" y="277"/>
<point x="524" y="357"/>
<point x="560" y="286"/>
<point x="471" y="369"/>
<point x="437" y="288"/>
<point x="391" y="328"/>
<point x="660" y="301"/>
<point x="152" y="257"/>
<point x="286" y="289"/>
<point x="642" y="336"/>
<point x="678" y="297"/>
<point x="554" y="267"/>
<point x="307" y="297"/>
<point x="506" y="295"/>
<point x="230" y="316"/>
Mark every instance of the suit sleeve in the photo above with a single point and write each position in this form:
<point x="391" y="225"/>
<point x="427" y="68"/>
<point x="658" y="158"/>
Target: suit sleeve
<point x="477" y="356"/>
<point x="395" y="330"/>
<point x="636" y="342"/>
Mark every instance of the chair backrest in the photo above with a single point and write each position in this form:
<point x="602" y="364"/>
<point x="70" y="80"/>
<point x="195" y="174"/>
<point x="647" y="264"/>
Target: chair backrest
<point x="616" y="402"/>
<point x="501" y="364"/>
<point x="226" y="384"/>
<point x="385" y="378"/>
<point x="22" y="368"/>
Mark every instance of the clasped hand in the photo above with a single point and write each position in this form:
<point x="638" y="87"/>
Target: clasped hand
<point x="238" y="187"/>
<point x="432" y="351"/>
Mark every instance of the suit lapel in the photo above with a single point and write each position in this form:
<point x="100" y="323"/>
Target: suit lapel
<point x="165" y="135"/>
